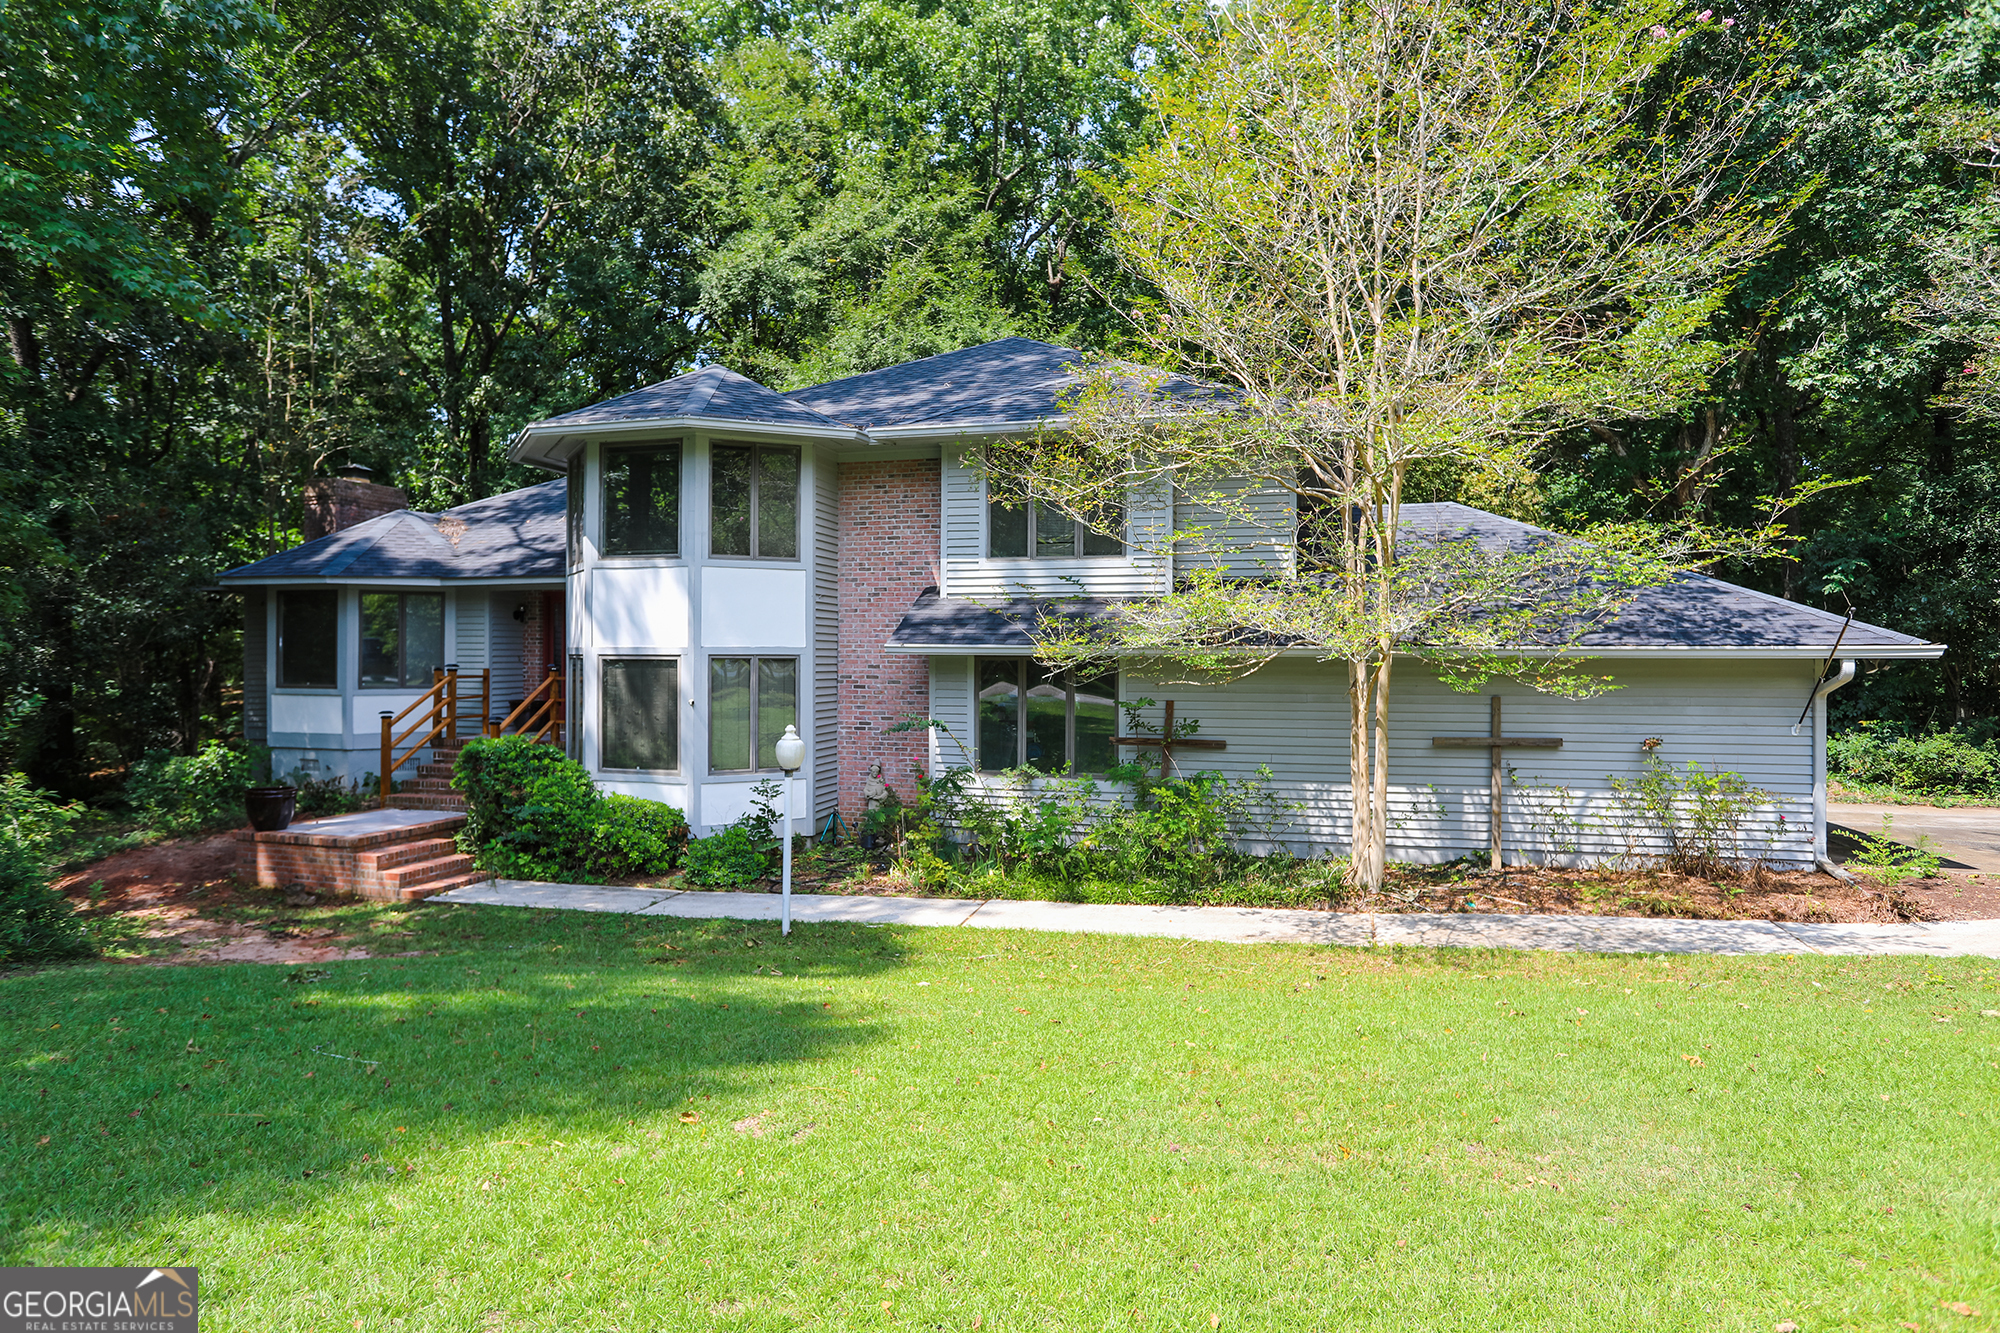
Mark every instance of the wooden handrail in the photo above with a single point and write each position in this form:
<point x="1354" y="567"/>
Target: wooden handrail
<point x="545" y="700"/>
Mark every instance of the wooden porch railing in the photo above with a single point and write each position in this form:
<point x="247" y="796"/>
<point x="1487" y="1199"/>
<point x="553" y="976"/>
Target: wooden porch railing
<point x="438" y="716"/>
<point x="541" y="712"/>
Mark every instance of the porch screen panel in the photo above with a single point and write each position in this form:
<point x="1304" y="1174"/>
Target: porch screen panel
<point x="309" y="638"/>
<point x="777" y="705"/>
<point x="642" y="499"/>
<point x="728" y="714"/>
<point x="778" y="505"/>
<point x="641" y="718"/>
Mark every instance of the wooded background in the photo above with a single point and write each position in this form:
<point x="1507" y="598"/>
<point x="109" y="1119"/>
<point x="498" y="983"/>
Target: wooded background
<point x="243" y="246"/>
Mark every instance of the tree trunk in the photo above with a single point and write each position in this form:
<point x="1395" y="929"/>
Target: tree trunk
<point x="1368" y="771"/>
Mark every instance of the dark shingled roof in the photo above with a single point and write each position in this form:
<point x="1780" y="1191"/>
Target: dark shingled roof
<point x="713" y="392"/>
<point x="1010" y="379"/>
<point x="1694" y="611"/>
<point x="516" y="535"/>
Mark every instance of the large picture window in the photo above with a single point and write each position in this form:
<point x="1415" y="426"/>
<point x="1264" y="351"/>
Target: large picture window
<point x="642" y="499"/>
<point x="641" y="718"/>
<point x="1033" y="717"/>
<point x="754" y="501"/>
<point x="402" y="637"/>
<point x="309" y="638"/>
<point x="1035" y="530"/>
<point x="751" y="700"/>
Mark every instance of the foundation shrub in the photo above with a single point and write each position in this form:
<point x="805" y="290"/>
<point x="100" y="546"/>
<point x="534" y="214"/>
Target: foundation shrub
<point x="1699" y="812"/>
<point x="742" y="852"/>
<point x="534" y="813"/>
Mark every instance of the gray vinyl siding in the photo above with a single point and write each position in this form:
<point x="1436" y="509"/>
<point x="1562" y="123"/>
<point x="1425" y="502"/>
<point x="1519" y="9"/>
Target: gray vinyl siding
<point x="504" y="645"/>
<point x="968" y="572"/>
<point x="1250" y="535"/>
<point x="1558" y="804"/>
<point x="826" y="636"/>
<point x="951" y="704"/>
<point x="256" y="683"/>
<point x="469" y="632"/>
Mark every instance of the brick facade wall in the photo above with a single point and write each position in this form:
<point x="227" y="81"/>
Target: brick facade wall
<point x="890" y="530"/>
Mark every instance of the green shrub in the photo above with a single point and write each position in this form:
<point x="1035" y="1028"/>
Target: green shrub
<point x="531" y="810"/>
<point x="37" y="924"/>
<point x="534" y="813"/>
<point x="330" y="795"/>
<point x="638" y="837"/>
<point x="1941" y="763"/>
<point x="727" y="859"/>
<point x="1700" y="812"/>
<point x="178" y="794"/>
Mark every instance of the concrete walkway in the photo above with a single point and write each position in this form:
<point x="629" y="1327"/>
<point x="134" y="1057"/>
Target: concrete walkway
<point x="1254" y="925"/>
<point x="1966" y="836"/>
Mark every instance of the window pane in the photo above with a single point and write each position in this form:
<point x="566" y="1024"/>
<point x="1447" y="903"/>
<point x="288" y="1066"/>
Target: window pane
<point x="1096" y="722"/>
<point x="778" y="504"/>
<point x="1055" y="533"/>
<point x="1006" y="529"/>
<point x="423" y="636"/>
<point x="308" y="637"/>
<point x="641" y="715"/>
<point x="381" y="638"/>
<point x="1048" y="720"/>
<point x="573" y="511"/>
<point x="729" y="499"/>
<point x="1111" y="542"/>
<point x="728" y="714"/>
<point x="777" y="705"/>
<point x="642" y="500"/>
<point x="999" y="713"/>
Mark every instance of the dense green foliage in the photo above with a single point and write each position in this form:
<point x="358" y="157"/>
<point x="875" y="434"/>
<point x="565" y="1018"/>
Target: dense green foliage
<point x="1944" y="763"/>
<point x="179" y="794"/>
<point x="242" y="244"/>
<point x="37" y="924"/>
<point x="533" y="813"/>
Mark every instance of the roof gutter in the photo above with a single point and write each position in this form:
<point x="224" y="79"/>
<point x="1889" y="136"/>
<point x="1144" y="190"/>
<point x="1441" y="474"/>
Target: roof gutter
<point x="554" y="432"/>
<point x="1788" y="653"/>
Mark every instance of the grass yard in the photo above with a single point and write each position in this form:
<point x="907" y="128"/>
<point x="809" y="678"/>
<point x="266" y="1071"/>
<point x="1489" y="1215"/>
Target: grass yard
<point x="559" y="1121"/>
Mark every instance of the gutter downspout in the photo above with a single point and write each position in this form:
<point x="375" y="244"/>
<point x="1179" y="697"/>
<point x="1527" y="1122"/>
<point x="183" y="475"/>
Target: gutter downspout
<point x="1826" y="687"/>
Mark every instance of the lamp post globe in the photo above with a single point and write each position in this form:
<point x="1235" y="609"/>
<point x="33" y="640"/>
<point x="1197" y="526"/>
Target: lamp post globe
<point x="791" y="753"/>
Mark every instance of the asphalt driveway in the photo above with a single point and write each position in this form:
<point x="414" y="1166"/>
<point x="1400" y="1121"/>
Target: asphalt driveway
<point x="1968" y="837"/>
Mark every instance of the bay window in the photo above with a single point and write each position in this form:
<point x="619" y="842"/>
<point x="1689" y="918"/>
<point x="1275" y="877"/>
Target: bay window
<point x="642" y="499"/>
<point x="754" y="501"/>
<point x="309" y="638"/>
<point x="1033" y="716"/>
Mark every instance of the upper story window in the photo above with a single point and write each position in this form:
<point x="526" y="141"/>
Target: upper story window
<point x="754" y="501"/>
<point x="402" y="637"/>
<point x="1042" y="531"/>
<point x="573" y="511"/>
<point x="309" y="638"/>
<point x="642" y="499"/>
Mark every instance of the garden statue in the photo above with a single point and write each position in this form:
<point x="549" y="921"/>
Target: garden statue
<point x="875" y="793"/>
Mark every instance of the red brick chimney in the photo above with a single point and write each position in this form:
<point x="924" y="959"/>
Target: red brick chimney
<point x="333" y="503"/>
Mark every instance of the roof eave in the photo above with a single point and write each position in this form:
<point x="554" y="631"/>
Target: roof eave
<point x="551" y="435"/>
<point x="1798" y="652"/>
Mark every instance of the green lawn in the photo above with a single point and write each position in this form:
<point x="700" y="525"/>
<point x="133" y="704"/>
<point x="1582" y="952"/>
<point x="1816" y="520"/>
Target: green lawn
<point x="583" y="1122"/>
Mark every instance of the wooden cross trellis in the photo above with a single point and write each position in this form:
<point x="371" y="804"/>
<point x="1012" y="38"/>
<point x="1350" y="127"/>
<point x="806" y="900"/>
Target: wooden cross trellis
<point x="1495" y="741"/>
<point x="1168" y="742"/>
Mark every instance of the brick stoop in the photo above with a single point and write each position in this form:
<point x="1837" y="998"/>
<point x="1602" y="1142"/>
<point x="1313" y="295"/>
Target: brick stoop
<point x="398" y="854"/>
<point x="431" y="788"/>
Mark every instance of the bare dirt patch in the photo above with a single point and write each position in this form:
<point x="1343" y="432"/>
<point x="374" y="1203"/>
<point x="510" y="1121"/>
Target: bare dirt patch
<point x="181" y="902"/>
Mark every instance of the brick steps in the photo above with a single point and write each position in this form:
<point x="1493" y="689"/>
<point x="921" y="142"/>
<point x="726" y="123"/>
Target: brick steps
<point x="397" y="854"/>
<point x="425" y="800"/>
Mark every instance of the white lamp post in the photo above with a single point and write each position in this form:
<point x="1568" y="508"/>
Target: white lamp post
<point x="791" y="753"/>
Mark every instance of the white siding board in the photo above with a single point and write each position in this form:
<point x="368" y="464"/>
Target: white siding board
<point x="256" y="676"/>
<point x="470" y="611"/>
<point x="1252" y="536"/>
<point x="951" y="704"/>
<point x="1559" y="806"/>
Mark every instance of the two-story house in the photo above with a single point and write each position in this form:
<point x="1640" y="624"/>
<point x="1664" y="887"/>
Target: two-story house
<point x="726" y="560"/>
